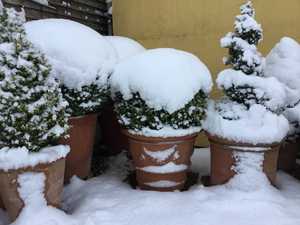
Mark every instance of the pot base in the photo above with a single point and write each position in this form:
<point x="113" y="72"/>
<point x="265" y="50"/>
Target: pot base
<point x="161" y="163"/>
<point x="223" y="160"/>
<point x="54" y="173"/>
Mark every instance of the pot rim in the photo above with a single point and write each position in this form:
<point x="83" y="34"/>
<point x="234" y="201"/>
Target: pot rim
<point x="139" y="137"/>
<point x="230" y="144"/>
<point x="83" y="116"/>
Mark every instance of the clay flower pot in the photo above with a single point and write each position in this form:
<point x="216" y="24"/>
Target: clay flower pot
<point x="161" y="164"/>
<point x="111" y="132"/>
<point x="54" y="174"/>
<point x="81" y="141"/>
<point x="223" y="160"/>
<point x="288" y="155"/>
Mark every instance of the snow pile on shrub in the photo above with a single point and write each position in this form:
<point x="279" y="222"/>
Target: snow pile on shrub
<point x="16" y="158"/>
<point x="255" y="125"/>
<point x="266" y="90"/>
<point x="283" y="62"/>
<point x="165" y="78"/>
<point x="81" y="59"/>
<point x="125" y="47"/>
<point x="76" y="52"/>
<point x="161" y="92"/>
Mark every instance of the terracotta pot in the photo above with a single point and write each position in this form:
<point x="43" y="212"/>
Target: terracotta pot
<point x="81" y="141"/>
<point x="222" y="159"/>
<point x="54" y="173"/>
<point x="111" y="134"/>
<point x="161" y="163"/>
<point x="288" y="155"/>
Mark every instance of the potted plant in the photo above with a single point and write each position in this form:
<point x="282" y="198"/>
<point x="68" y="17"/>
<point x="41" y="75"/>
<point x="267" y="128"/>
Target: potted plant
<point x="82" y="62"/>
<point x="160" y="100"/>
<point x="32" y="119"/>
<point x="283" y="62"/>
<point x="245" y="129"/>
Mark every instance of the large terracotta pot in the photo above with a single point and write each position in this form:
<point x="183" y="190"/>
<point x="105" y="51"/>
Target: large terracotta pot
<point x="161" y="164"/>
<point x="111" y="134"/>
<point x="81" y="141"/>
<point x="54" y="174"/>
<point x="223" y="160"/>
<point x="288" y="155"/>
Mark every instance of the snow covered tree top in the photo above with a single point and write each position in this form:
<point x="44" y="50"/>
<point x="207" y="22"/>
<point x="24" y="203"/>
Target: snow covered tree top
<point x="32" y="110"/>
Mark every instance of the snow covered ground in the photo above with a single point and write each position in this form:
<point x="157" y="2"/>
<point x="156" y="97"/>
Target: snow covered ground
<point x="106" y="200"/>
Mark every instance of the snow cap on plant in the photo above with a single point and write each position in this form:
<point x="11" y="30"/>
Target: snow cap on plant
<point x="161" y="88"/>
<point x="32" y="110"/>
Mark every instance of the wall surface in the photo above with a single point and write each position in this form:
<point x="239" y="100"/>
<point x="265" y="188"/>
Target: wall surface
<point x="197" y="25"/>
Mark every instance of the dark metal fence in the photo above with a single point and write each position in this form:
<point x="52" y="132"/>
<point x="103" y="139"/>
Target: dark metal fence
<point x="92" y="13"/>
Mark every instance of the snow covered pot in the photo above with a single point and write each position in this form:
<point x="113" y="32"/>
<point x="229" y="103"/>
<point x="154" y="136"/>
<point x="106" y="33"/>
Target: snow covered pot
<point x="32" y="119"/>
<point x="82" y="60"/>
<point x="283" y="63"/>
<point x="160" y="99"/>
<point x="245" y="129"/>
<point x="111" y="135"/>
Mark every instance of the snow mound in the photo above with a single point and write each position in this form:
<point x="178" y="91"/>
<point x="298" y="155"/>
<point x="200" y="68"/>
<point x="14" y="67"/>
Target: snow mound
<point x="283" y="62"/>
<point x="165" y="78"/>
<point x="268" y="88"/>
<point x="125" y="47"/>
<point x="254" y="126"/>
<point x="76" y="52"/>
<point x="16" y="158"/>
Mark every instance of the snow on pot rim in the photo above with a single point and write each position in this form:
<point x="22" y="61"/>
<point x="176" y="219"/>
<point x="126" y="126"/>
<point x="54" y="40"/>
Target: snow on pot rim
<point x="165" y="78"/>
<point x="255" y="125"/>
<point x="77" y="53"/>
<point x="17" y="158"/>
<point x="124" y="46"/>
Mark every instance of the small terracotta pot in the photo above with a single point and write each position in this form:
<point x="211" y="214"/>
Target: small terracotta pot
<point x="288" y="155"/>
<point x="111" y="132"/>
<point x="81" y="141"/>
<point x="54" y="173"/>
<point x="222" y="159"/>
<point x="161" y="163"/>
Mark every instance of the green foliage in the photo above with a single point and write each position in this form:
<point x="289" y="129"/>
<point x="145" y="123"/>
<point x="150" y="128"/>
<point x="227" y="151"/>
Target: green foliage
<point x="134" y="113"/>
<point x="88" y="99"/>
<point x="32" y="110"/>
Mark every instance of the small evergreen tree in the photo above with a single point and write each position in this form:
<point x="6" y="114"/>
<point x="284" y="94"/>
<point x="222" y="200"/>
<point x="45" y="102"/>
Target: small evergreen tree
<point x="245" y="58"/>
<point x="32" y="110"/>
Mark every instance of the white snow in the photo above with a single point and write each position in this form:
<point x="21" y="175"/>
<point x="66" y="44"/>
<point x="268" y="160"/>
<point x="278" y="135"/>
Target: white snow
<point x="16" y="158"/>
<point x="283" y="62"/>
<point x="77" y="53"/>
<point x="165" y="78"/>
<point x="163" y="184"/>
<point x="254" y="126"/>
<point x="166" y="131"/>
<point x="31" y="189"/>
<point x="249" y="172"/>
<point x="162" y="155"/>
<point x="170" y="167"/>
<point x="268" y="88"/>
<point x="125" y="47"/>
<point x="107" y="200"/>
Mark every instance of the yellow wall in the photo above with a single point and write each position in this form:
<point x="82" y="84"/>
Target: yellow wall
<point x="197" y="25"/>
